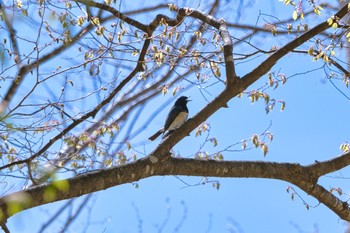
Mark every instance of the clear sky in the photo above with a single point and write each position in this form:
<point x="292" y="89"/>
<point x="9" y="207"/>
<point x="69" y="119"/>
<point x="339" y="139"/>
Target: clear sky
<point x="312" y="127"/>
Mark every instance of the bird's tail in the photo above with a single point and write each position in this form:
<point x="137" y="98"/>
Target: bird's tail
<point x="157" y="134"/>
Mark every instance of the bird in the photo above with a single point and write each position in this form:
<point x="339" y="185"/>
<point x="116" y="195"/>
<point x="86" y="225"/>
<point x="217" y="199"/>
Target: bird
<point x="176" y="117"/>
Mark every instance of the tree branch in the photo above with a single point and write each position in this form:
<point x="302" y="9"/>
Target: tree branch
<point x="232" y="91"/>
<point x="329" y="166"/>
<point x="266" y="65"/>
<point x="231" y="76"/>
<point x="304" y="177"/>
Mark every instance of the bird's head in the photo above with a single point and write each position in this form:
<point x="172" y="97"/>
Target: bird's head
<point x="182" y="100"/>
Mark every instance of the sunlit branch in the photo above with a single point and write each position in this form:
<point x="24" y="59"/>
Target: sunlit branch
<point x="304" y="177"/>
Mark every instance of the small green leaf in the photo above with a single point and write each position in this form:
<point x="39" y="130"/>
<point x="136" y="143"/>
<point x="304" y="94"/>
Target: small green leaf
<point x="62" y="185"/>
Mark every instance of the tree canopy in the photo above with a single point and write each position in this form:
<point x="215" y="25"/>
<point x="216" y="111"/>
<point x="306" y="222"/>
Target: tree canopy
<point x="84" y="84"/>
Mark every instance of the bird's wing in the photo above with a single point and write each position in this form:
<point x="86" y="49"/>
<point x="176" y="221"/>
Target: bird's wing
<point x="174" y="112"/>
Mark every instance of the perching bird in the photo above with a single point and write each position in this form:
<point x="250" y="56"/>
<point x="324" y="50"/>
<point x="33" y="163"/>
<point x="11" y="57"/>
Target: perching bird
<point x="176" y="117"/>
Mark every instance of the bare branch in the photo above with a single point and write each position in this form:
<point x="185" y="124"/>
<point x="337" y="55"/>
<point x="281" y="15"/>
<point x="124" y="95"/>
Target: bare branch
<point x="329" y="166"/>
<point x="302" y="176"/>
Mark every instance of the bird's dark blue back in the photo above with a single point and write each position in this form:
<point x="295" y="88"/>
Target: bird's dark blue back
<point x="178" y="108"/>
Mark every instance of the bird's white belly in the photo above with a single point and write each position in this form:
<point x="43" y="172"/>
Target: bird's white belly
<point x="179" y="120"/>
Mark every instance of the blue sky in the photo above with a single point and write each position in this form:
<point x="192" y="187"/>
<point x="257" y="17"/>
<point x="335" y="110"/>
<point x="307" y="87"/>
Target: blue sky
<point x="312" y="126"/>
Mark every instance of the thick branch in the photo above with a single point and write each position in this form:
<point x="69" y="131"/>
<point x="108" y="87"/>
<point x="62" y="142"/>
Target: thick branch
<point x="327" y="198"/>
<point x="302" y="176"/>
<point x="231" y="76"/>
<point x="329" y="166"/>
